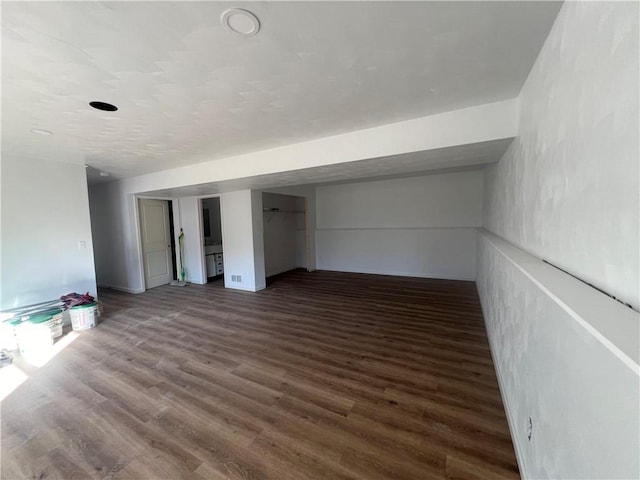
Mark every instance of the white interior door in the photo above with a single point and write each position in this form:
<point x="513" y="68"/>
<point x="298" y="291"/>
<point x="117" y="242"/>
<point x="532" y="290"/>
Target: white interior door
<point x="156" y="242"/>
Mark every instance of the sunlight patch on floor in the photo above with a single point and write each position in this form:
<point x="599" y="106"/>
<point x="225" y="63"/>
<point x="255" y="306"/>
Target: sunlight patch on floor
<point x="11" y="377"/>
<point x="39" y="358"/>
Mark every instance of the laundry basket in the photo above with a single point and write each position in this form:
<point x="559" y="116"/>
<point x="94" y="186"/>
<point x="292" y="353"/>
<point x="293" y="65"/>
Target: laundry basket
<point x="83" y="317"/>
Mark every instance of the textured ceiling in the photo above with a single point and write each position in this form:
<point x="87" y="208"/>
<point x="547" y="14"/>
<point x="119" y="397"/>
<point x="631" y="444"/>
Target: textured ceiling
<point x="190" y="91"/>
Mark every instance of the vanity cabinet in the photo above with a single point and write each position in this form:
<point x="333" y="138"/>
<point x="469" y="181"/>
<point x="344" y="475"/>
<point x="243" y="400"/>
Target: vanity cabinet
<point x="215" y="264"/>
<point x="219" y="264"/>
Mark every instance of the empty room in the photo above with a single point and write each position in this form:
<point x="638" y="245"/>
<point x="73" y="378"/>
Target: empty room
<point x="315" y="240"/>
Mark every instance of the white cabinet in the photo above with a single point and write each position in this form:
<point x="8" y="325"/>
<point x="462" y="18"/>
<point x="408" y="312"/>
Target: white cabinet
<point x="211" y="265"/>
<point x="215" y="264"/>
<point x="219" y="264"/>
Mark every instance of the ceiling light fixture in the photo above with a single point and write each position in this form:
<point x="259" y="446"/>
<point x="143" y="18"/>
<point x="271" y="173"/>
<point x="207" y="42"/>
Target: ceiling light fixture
<point x="241" y="21"/>
<point x="104" y="174"/>
<point x="103" y="106"/>
<point x="39" y="131"/>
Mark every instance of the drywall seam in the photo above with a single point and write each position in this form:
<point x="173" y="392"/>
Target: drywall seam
<point x="622" y="356"/>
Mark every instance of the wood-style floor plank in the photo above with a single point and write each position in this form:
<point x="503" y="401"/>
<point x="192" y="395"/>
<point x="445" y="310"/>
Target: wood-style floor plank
<point x="322" y="375"/>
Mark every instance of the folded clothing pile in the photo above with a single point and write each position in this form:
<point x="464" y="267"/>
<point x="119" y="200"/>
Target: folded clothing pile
<point x="75" y="299"/>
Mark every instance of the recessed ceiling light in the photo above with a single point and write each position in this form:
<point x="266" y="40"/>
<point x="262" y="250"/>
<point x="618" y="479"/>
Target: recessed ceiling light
<point x="104" y="174"/>
<point x="103" y="106"/>
<point x="241" y="21"/>
<point x="39" y="131"/>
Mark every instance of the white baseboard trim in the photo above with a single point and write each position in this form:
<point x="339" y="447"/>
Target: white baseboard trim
<point x="246" y="289"/>
<point x="510" y="420"/>
<point x="403" y="274"/>
<point x="123" y="289"/>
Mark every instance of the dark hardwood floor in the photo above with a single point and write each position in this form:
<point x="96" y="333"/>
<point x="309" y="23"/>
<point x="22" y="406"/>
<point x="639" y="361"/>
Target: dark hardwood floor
<point x="321" y="376"/>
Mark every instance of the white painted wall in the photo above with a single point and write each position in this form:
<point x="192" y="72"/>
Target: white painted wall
<point x="243" y="239"/>
<point x="45" y="216"/>
<point x="567" y="190"/>
<point x="554" y="349"/>
<point x="190" y="221"/>
<point x="115" y="224"/>
<point x="105" y="227"/>
<point x="116" y="233"/>
<point x="301" y="235"/>
<point x="120" y="264"/>
<point x="420" y="252"/>
<point x="305" y="197"/>
<point x="279" y="233"/>
<point x="257" y="226"/>
<point x="421" y="226"/>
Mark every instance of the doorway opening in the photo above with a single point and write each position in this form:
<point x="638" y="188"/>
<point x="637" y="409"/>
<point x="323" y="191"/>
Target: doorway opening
<point x="212" y="238"/>
<point x="174" y="271"/>
<point x="286" y="234"/>
<point x="158" y="243"/>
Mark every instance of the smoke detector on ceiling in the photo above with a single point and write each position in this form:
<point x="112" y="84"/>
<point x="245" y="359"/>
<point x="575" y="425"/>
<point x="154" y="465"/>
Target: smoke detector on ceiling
<point x="241" y="21"/>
